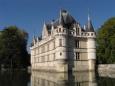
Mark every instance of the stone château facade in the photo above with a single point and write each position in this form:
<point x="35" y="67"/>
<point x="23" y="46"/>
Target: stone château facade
<point x="64" y="46"/>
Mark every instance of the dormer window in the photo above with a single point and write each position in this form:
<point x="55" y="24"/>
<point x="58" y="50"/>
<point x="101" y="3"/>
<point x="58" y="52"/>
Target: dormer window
<point x="59" y="29"/>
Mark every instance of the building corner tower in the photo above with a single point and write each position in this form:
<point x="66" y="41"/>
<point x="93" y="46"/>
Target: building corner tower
<point x="91" y="45"/>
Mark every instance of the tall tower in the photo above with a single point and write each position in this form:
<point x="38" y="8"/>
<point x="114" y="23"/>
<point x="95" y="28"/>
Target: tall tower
<point x="63" y="39"/>
<point x="91" y="46"/>
<point x="61" y="42"/>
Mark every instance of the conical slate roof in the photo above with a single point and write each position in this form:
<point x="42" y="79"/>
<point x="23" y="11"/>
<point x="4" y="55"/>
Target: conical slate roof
<point x="89" y="26"/>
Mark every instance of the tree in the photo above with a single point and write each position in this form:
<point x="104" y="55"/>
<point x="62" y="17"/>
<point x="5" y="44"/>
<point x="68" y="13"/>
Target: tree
<point x="13" y="51"/>
<point x="106" y="42"/>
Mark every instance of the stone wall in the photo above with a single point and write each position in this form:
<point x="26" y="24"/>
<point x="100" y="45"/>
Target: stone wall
<point x="106" y="68"/>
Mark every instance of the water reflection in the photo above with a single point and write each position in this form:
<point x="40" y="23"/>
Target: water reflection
<point x="63" y="79"/>
<point x="106" y="79"/>
<point x="14" y="78"/>
<point x="22" y="78"/>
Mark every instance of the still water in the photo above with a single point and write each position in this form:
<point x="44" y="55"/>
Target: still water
<point x="21" y="78"/>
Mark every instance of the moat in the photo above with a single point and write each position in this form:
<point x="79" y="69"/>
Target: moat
<point x="21" y="78"/>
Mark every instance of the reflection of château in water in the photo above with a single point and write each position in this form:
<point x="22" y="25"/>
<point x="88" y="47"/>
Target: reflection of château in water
<point x="60" y="79"/>
<point x="64" y="45"/>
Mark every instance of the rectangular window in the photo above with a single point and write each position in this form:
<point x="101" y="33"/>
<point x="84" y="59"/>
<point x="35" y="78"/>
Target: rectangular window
<point x="77" y="55"/>
<point x="77" y="43"/>
<point x="77" y="31"/>
<point x="60" y="42"/>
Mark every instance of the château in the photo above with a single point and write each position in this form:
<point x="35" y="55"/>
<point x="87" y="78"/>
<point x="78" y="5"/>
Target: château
<point x="64" y="46"/>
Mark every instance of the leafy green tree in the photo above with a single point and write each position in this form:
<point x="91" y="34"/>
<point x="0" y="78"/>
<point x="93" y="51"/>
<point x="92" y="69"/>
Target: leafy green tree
<point x="106" y="42"/>
<point x="13" y="51"/>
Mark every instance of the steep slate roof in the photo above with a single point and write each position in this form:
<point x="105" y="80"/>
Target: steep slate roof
<point x="65" y="19"/>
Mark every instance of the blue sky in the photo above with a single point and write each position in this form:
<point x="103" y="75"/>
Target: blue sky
<point x="31" y="14"/>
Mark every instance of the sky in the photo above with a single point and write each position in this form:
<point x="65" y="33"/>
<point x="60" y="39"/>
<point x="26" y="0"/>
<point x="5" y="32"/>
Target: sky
<point x="30" y="15"/>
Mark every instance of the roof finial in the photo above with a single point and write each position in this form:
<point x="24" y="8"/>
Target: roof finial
<point x="44" y="23"/>
<point x="44" y="26"/>
<point x="33" y="36"/>
<point x="60" y="18"/>
<point x="88" y="15"/>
